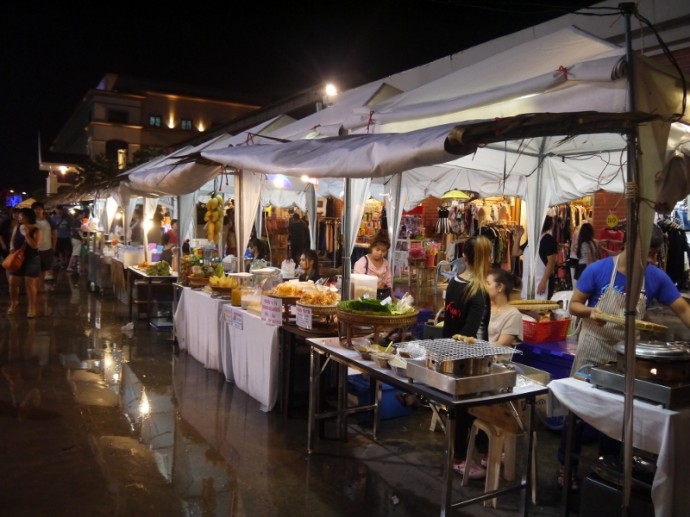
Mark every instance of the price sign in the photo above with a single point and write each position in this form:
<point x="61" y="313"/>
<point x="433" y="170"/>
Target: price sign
<point x="272" y="310"/>
<point x="612" y="220"/>
<point x="303" y="317"/>
<point x="237" y="318"/>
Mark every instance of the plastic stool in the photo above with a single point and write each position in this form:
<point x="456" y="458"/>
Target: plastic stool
<point x="436" y="418"/>
<point x="500" y="441"/>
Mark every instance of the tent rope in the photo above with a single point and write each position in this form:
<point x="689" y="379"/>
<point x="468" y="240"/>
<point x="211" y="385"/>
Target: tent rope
<point x="370" y="121"/>
<point x="564" y="71"/>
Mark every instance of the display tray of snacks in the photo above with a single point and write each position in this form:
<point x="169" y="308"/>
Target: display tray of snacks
<point x="535" y="305"/>
<point x="289" y="291"/>
<point x="639" y="324"/>
<point x="321" y="310"/>
<point x="286" y="299"/>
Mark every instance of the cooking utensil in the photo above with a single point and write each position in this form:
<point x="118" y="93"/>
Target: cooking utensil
<point x="658" y="360"/>
<point x="458" y="358"/>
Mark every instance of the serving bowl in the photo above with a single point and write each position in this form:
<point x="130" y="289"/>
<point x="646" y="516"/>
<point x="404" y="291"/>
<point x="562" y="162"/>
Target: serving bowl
<point x="381" y="359"/>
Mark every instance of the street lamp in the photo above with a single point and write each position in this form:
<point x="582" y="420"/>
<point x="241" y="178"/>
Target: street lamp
<point x="330" y="92"/>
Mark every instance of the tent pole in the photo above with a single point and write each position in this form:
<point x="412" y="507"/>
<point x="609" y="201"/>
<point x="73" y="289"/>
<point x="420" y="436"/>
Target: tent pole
<point x="631" y="245"/>
<point x="347" y="248"/>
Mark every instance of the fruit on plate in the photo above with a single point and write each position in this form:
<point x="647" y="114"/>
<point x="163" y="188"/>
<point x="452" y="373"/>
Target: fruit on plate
<point x="224" y="282"/>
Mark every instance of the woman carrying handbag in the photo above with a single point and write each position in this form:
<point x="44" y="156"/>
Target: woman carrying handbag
<point x="25" y="232"/>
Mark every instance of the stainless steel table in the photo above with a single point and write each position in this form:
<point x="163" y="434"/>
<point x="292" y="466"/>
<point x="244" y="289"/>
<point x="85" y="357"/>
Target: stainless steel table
<point x="330" y="349"/>
<point x="134" y="273"/>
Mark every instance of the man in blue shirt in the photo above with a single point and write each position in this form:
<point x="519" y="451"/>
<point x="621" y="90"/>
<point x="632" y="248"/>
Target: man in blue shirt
<point x="601" y="289"/>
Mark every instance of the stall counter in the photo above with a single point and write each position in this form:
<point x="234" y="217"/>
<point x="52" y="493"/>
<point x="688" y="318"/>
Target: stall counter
<point x="198" y="326"/>
<point x="655" y="429"/>
<point x="250" y="354"/>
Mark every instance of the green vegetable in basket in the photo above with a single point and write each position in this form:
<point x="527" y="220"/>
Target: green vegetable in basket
<point x="398" y="308"/>
<point x="364" y="305"/>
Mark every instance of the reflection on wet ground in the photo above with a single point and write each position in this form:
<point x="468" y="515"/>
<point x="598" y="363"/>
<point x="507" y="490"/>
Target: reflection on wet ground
<point x="101" y="419"/>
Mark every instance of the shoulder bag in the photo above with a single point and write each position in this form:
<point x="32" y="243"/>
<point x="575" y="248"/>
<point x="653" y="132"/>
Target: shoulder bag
<point x="14" y="260"/>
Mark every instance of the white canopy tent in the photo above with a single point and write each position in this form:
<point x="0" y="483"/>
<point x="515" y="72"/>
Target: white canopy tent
<point x="564" y="71"/>
<point x="567" y="72"/>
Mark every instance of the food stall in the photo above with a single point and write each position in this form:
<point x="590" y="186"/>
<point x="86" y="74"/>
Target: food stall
<point x="451" y="392"/>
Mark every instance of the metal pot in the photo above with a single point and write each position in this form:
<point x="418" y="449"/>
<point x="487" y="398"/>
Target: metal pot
<point x="465" y="367"/>
<point x="658" y="361"/>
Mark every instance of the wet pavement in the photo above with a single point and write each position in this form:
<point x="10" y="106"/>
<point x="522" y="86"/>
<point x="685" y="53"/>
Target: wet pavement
<point x="101" y="419"/>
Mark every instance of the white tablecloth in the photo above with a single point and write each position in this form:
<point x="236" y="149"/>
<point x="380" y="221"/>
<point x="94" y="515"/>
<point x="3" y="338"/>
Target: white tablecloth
<point x="198" y="326"/>
<point x="655" y="429"/>
<point x="250" y="354"/>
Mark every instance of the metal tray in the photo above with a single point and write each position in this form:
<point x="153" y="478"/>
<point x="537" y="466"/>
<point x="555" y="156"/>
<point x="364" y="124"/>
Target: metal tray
<point x="499" y="378"/>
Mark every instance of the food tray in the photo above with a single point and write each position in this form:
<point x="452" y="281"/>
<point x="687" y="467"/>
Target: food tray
<point x="541" y="331"/>
<point x="543" y="306"/>
<point x="286" y="299"/>
<point x="497" y="379"/>
<point x="224" y="292"/>
<point x="196" y="281"/>
<point x="319" y="310"/>
<point x="639" y="324"/>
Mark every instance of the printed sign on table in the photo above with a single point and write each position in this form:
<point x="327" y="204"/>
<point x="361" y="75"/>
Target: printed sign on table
<point x="304" y="317"/>
<point x="272" y="310"/>
<point x="237" y="318"/>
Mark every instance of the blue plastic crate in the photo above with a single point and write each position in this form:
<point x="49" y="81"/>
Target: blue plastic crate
<point x="389" y="406"/>
<point x="546" y="356"/>
<point x="424" y="316"/>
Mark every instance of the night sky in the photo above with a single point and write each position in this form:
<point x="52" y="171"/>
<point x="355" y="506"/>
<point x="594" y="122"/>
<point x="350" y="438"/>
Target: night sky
<point x="53" y="53"/>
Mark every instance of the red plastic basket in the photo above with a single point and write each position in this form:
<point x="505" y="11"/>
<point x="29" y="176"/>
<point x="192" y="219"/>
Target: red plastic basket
<point x="538" y="332"/>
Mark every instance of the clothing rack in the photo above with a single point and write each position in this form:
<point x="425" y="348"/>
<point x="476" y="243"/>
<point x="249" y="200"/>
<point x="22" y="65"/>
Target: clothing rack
<point x="329" y="238"/>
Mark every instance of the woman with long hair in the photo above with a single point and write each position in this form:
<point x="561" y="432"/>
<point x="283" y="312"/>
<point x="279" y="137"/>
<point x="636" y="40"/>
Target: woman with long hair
<point x="309" y="264"/>
<point x="467" y="312"/>
<point x="587" y="249"/>
<point x="466" y="309"/>
<point x="26" y="232"/>
<point x="505" y="324"/>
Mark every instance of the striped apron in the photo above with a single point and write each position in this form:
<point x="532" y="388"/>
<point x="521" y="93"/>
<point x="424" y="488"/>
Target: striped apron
<point x="595" y="345"/>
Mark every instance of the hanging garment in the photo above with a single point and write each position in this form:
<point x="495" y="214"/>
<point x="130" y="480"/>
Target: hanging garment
<point x="442" y="225"/>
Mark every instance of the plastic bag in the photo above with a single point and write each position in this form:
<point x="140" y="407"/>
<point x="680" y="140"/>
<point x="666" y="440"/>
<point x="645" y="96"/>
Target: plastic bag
<point x="287" y="268"/>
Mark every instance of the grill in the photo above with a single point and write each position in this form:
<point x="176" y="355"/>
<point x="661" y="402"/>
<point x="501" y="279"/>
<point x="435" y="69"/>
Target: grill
<point x="448" y="349"/>
<point x="461" y="368"/>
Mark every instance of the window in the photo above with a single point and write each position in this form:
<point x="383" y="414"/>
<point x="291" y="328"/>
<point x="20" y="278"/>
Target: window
<point x="118" y="116"/>
<point x="155" y="121"/>
<point x="186" y="124"/>
<point x="116" y="151"/>
<point x="121" y="159"/>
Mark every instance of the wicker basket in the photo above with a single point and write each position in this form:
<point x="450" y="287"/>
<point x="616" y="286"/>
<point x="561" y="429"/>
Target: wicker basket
<point x="222" y="291"/>
<point x="197" y="281"/>
<point x="354" y="324"/>
<point x="319" y="310"/>
<point x="539" y="332"/>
